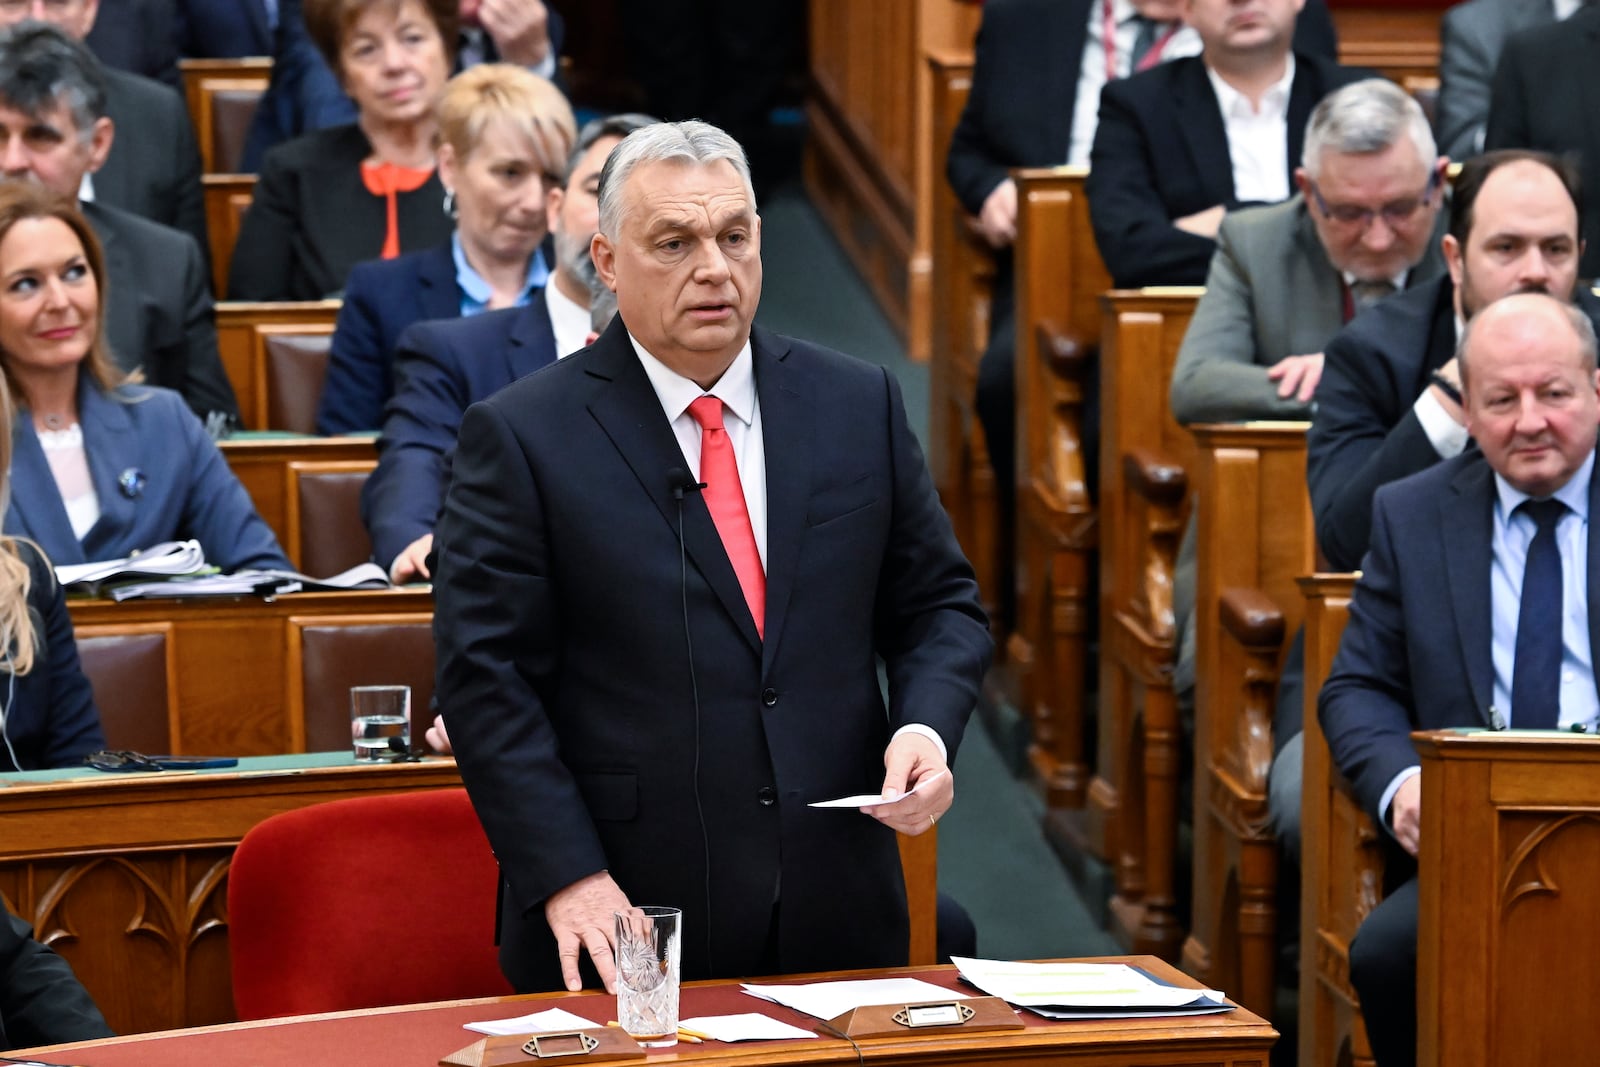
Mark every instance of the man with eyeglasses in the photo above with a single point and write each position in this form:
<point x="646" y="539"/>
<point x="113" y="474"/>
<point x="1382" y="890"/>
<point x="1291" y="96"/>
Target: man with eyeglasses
<point x="1284" y="280"/>
<point x="1389" y="401"/>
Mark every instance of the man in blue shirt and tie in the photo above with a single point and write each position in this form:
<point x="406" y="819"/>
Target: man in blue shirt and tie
<point x="1474" y="607"/>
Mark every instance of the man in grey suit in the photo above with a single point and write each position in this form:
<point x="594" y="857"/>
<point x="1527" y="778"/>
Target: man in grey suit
<point x="154" y="168"/>
<point x="1284" y="279"/>
<point x="1471" y="35"/>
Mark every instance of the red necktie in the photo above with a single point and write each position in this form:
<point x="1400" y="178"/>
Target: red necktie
<point x="725" y="498"/>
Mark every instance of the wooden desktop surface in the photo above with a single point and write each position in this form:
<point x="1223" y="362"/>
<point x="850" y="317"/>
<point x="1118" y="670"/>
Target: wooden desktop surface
<point x="423" y="1034"/>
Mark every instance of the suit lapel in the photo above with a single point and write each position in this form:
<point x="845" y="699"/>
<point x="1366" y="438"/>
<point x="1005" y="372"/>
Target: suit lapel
<point x="532" y="343"/>
<point x="786" y="432"/>
<point x="1314" y="284"/>
<point x="124" y="330"/>
<point x="36" y="509"/>
<point x="629" y="412"/>
<point x="1304" y="92"/>
<point x="1467" y="535"/>
<point x="256" y="14"/>
<point x="436" y="274"/>
<point x="1199" y="119"/>
<point x="111" y="447"/>
<point x="1063" y="35"/>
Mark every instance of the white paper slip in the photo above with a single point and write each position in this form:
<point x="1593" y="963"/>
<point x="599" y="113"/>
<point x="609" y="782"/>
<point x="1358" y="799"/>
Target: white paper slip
<point x="1076" y="985"/>
<point x="873" y="800"/>
<point x="537" y="1023"/>
<point x="748" y="1026"/>
<point x="829" y="1000"/>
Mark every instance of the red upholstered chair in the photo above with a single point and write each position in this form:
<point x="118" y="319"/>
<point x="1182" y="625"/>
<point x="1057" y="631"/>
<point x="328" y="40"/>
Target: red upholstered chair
<point x="362" y="903"/>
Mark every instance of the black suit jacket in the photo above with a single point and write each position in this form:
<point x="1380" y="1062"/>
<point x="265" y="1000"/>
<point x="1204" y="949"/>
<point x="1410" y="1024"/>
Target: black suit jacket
<point x="158" y="309"/>
<point x="442" y="368"/>
<point x="569" y="691"/>
<point x="312" y="219"/>
<point x="1545" y="95"/>
<point x="224" y="28"/>
<point x="139" y="36"/>
<point x="41" y="1000"/>
<point x="1364" y="433"/>
<point x="1416" y="653"/>
<point x="153" y="169"/>
<point x="1161" y="153"/>
<point x="1025" y="88"/>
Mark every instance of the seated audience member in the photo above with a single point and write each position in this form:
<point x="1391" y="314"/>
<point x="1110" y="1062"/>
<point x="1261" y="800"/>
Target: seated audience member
<point x="50" y="717"/>
<point x="227" y="29"/>
<point x="504" y="137"/>
<point x="442" y="367"/>
<point x="1178" y="146"/>
<point x="332" y="198"/>
<point x="158" y="318"/>
<point x="41" y="1000"/>
<point x="1472" y="609"/>
<point x="1388" y="403"/>
<point x="1471" y="36"/>
<point x="100" y="466"/>
<point x="1284" y="280"/>
<point x="1544" y="97"/>
<point x="153" y="169"/>
<point x="138" y="36"/>
<point x="304" y="94"/>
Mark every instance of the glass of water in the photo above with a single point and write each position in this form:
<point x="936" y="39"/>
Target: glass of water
<point x="647" y="974"/>
<point x="380" y="721"/>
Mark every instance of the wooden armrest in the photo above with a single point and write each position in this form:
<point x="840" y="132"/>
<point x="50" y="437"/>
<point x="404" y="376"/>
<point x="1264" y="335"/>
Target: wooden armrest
<point x="1065" y="353"/>
<point x="1250" y="616"/>
<point x="1154" y="476"/>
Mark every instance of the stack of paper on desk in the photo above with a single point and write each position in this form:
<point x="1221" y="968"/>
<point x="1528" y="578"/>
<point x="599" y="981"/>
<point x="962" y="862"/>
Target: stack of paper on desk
<point x="829" y="1000"/>
<point x="1086" y="990"/>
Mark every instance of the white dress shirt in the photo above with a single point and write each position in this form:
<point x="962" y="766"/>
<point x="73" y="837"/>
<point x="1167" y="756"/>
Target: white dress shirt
<point x="1258" y="140"/>
<point x="1092" y="68"/>
<point x="569" y="320"/>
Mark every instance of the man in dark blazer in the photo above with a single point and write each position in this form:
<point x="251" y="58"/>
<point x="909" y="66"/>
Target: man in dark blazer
<point x="1545" y="96"/>
<point x="158" y="311"/>
<point x="1471" y="37"/>
<point x="1171" y="155"/>
<point x="41" y="1000"/>
<point x="153" y="170"/>
<point x="441" y="368"/>
<point x="1384" y="405"/>
<point x="226" y="29"/>
<point x="138" y="36"/>
<point x="647" y="680"/>
<point x="1438" y="622"/>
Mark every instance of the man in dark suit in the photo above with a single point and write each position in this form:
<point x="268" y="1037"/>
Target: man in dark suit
<point x="226" y="29"/>
<point x="1470" y="610"/>
<point x="647" y="681"/>
<point x="41" y="1000"/>
<point x="1545" y="95"/>
<point x="1386" y="406"/>
<point x="1179" y="145"/>
<point x="137" y="36"/>
<point x="158" y="312"/>
<point x="154" y="168"/>
<point x="1471" y="37"/>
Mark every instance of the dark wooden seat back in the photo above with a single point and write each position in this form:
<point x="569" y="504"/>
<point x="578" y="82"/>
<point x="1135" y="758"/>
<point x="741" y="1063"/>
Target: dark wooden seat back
<point x="336" y="654"/>
<point x="326" y="535"/>
<point x="297" y="367"/>
<point x="257" y="373"/>
<point x="128" y="670"/>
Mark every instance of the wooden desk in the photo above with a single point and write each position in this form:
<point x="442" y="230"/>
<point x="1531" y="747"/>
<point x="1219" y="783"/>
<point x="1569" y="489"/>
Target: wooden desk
<point x="424" y="1033"/>
<point x="126" y="875"/>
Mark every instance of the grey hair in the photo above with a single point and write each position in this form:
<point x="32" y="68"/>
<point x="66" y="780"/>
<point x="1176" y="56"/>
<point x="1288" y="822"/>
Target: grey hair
<point x="689" y="142"/>
<point x="1577" y="318"/>
<point x="41" y="67"/>
<point x="1366" y="117"/>
<point x="606" y="126"/>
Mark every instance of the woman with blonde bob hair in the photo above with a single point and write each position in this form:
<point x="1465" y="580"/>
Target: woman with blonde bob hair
<point x="101" y="466"/>
<point x="47" y="712"/>
<point x="504" y="139"/>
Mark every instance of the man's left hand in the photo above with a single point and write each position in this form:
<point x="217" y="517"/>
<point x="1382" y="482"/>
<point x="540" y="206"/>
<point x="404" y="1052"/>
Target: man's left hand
<point x="520" y="29"/>
<point x="911" y="758"/>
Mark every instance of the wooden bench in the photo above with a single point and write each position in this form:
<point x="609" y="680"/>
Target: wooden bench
<point x="1254" y="541"/>
<point x="227" y="198"/>
<point x="1059" y="280"/>
<point x="1146" y="461"/>
<point x="962" y="280"/>
<point x="1341" y="866"/>
<point x="222" y="95"/>
<point x="263" y="347"/>
<point x="263" y="463"/>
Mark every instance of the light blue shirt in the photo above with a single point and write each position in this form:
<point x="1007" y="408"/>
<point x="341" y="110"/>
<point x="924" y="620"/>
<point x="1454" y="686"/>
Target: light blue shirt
<point x="476" y="293"/>
<point x="1513" y="533"/>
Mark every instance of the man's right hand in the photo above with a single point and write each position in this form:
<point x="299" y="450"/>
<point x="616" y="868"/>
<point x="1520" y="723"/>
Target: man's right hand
<point x="1297" y="376"/>
<point x="1405" y="814"/>
<point x="581" y="916"/>
<point x="998" y="219"/>
<point x="412" y="562"/>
